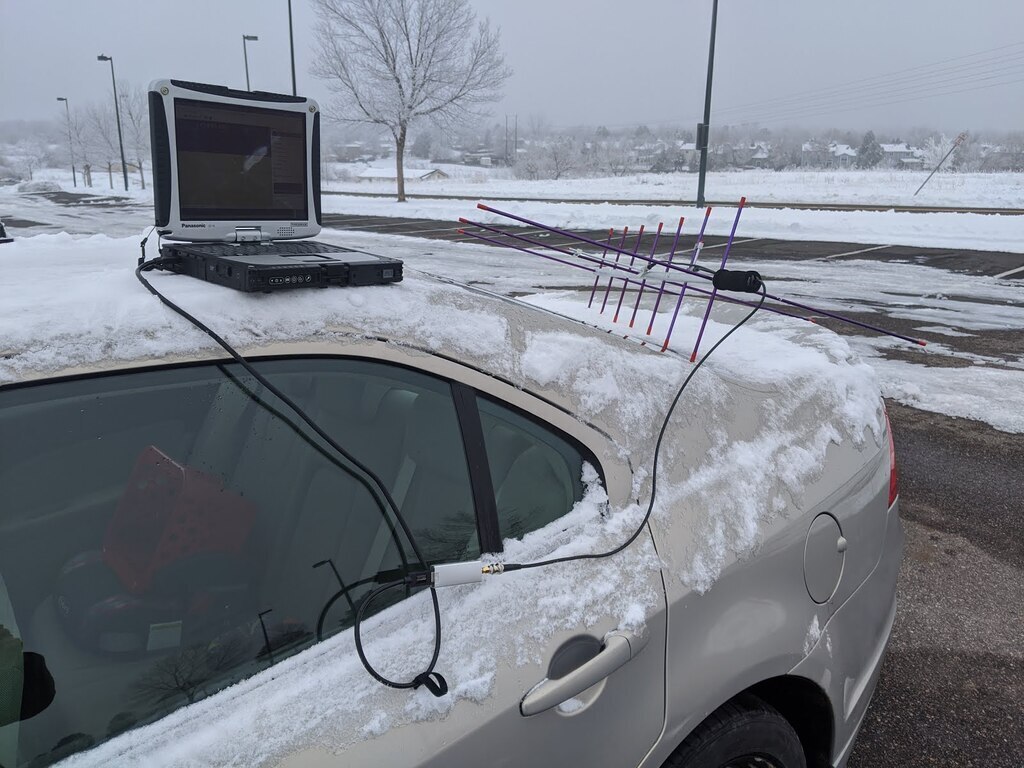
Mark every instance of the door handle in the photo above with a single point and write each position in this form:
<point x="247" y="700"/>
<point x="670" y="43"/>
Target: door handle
<point x="619" y="647"/>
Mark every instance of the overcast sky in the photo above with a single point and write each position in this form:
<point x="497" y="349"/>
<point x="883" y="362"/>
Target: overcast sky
<point x="857" y="65"/>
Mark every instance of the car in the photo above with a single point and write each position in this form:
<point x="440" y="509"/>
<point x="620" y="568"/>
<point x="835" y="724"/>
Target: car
<point x="186" y="554"/>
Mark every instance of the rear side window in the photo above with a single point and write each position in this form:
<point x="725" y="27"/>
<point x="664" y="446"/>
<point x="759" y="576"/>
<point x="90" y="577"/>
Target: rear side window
<point x="166" y="533"/>
<point x="536" y="473"/>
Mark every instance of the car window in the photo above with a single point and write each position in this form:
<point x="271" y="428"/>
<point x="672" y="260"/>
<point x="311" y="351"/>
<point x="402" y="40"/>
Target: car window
<point x="165" y="533"/>
<point x="536" y="473"/>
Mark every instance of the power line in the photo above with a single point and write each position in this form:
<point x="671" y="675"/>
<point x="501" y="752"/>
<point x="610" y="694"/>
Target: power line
<point x="854" y="100"/>
<point x="830" y="111"/>
<point x="885" y="77"/>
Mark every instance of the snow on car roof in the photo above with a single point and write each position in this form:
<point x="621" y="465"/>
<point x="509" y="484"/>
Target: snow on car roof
<point x="75" y="303"/>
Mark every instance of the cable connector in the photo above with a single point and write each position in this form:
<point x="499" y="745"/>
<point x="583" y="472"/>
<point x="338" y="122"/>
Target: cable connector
<point x="454" y="574"/>
<point x="494" y="568"/>
<point x="418" y="579"/>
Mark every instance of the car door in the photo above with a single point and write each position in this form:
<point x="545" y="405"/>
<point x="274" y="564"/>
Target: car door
<point x="198" y="565"/>
<point x="571" y="678"/>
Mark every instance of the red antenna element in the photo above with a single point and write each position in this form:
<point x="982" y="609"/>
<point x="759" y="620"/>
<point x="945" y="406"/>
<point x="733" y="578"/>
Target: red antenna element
<point x="677" y="280"/>
<point x="643" y="283"/>
<point x="632" y="260"/>
<point x="597" y="278"/>
<point x="618" y="252"/>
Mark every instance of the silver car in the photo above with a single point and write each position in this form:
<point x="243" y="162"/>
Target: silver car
<point x="182" y="557"/>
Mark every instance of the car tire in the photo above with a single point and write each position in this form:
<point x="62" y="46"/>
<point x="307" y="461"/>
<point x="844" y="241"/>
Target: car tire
<point x="745" y="733"/>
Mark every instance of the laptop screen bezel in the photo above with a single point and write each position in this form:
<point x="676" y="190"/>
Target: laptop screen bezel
<point x="225" y="224"/>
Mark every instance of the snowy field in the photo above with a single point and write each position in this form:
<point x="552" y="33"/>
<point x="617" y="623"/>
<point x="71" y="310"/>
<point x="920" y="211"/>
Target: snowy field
<point x="875" y="187"/>
<point x="964" y="231"/>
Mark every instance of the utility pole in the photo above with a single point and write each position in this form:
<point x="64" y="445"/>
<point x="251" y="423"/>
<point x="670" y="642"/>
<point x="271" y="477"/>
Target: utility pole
<point x="703" y="128"/>
<point x="71" y="146"/>
<point x="291" y="43"/>
<point x="117" y="114"/>
<point x="245" y="54"/>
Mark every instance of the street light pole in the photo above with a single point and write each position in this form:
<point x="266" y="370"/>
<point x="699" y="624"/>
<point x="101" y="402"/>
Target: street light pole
<point x="71" y="147"/>
<point x="245" y="54"/>
<point x="703" y="128"/>
<point x="291" y="44"/>
<point x="117" y="114"/>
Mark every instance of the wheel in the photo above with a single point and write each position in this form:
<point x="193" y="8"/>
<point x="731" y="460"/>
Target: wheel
<point x="745" y="733"/>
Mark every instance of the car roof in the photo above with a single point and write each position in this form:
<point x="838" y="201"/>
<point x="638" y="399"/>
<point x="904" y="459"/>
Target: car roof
<point x="74" y="305"/>
<point x="84" y="311"/>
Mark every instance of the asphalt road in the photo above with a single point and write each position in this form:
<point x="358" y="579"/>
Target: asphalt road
<point x="951" y="691"/>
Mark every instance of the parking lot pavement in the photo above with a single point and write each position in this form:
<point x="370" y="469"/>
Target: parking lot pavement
<point x="951" y="692"/>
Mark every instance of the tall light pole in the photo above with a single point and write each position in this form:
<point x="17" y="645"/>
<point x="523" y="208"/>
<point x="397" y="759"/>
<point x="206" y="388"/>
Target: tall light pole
<point x="71" y="147"/>
<point x="245" y="53"/>
<point x="291" y="44"/>
<point x="702" y="129"/>
<point x="117" y="114"/>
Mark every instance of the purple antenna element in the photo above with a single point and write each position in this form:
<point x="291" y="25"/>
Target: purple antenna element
<point x="618" y="253"/>
<point x="643" y="283"/>
<point x="711" y="301"/>
<point x="514" y="236"/>
<point x="682" y="291"/>
<point x="502" y="244"/>
<point x="671" y="266"/>
<point x="625" y="283"/>
<point x="597" y="278"/>
<point x="596" y="270"/>
<point x="661" y="289"/>
<point x="588" y="241"/>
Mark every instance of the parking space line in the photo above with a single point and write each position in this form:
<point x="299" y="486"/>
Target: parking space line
<point x="735" y="242"/>
<point x="1009" y="272"/>
<point x="854" y="253"/>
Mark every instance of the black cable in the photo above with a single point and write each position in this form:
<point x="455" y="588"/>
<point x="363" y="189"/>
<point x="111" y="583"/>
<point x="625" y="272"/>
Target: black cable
<point x="430" y="679"/>
<point x="654" y="468"/>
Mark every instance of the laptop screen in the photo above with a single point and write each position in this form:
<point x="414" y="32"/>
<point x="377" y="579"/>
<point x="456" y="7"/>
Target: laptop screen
<point x="240" y="163"/>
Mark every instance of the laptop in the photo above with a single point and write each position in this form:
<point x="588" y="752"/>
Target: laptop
<point x="236" y="191"/>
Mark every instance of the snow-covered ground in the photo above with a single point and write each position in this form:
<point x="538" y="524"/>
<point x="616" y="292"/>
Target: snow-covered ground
<point x="978" y="387"/>
<point x="874" y="187"/>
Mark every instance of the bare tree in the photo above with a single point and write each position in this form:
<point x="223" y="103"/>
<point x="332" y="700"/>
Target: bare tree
<point x="135" y="120"/>
<point x="393" y="62"/>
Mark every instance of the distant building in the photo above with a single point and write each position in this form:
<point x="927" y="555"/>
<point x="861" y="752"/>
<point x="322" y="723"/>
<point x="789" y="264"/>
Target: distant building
<point x="841" y="155"/>
<point x="901" y="155"/>
<point x="410" y="174"/>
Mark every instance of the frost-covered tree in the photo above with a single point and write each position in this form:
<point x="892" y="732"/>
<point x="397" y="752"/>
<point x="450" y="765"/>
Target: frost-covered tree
<point x="935" y="149"/>
<point x="870" y="153"/>
<point x="393" y="63"/>
<point x="135" y="125"/>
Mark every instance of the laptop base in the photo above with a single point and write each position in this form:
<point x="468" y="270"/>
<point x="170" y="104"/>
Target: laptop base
<point x="282" y="265"/>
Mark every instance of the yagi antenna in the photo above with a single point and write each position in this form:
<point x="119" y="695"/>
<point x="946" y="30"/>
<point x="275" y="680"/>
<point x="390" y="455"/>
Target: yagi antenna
<point x="643" y="270"/>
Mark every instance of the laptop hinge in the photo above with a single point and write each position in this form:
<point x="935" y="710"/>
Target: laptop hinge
<point x="248" y="234"/>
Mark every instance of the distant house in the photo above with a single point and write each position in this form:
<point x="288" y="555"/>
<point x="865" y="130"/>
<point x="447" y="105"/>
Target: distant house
<point x="901" y="155"/>
<point x="841" y="156"/>
<point x="818" y="154"/>
<point x="410" y="174"/>
<point x="760" y="154"/>
<point x="814" y="154"/>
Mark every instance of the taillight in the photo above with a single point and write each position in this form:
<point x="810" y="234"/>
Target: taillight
<point x="894" y="483"/>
